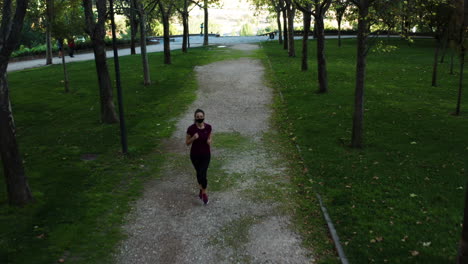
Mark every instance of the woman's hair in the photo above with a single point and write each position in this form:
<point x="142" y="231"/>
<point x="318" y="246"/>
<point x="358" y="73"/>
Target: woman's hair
<point x="199" y="111"/>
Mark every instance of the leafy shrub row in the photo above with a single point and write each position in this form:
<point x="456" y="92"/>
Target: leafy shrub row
<point x="23" y="51"/>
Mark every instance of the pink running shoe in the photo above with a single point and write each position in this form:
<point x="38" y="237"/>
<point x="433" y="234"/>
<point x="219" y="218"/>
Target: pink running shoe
<point x="205" y="198"/>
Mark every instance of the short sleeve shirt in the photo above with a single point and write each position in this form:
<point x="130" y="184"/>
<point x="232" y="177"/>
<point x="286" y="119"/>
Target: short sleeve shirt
<point x="200" y="145"/>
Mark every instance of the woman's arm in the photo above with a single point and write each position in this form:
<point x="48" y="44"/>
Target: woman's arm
<point x="209" y="140"/>
<point x="189" y="139"/>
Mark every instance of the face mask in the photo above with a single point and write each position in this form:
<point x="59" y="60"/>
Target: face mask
<point x="199" y="120"/>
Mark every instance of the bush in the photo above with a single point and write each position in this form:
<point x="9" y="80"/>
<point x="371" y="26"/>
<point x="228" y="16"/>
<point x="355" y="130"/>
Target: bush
<point x="24" y="51"/>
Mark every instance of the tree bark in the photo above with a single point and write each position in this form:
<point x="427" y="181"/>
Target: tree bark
<point x="205" y="9"/>
<point x="166" y="38"/>
<point x="97" y="33"/>
<point x="291" y="15"/>
<point x="460" y="86"/>
<point x="133" y="27"/>
<point x="285" y="28"/>
<point x="49" y="16"/>
<point x="280" y="34"/>
<point x="65" y="73"/>
<point x="436" y="62"/>
<point x="144" y="54"/>
<point x="339" y="32"/>
<point x="305" y="39"/>
<point x="321" y="60"/>
<point x="462" y="257"/>
<point x="186" y="33"/>
<point x="358" y="117"/>
<point x="451" y="61"/>
<point x="18" y="191"/>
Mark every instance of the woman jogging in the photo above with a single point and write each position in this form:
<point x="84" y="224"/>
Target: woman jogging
<point x="199" y="135"/>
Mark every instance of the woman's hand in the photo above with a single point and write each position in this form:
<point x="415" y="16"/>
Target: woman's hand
<point x="190" y="139"/>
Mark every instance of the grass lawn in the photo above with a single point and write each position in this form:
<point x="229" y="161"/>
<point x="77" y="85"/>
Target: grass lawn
<point x="400" y="199"/>
<point x="80" y="204"/>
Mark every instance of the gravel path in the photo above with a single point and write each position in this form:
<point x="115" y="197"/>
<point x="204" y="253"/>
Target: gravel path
<point x="169" y="224"/>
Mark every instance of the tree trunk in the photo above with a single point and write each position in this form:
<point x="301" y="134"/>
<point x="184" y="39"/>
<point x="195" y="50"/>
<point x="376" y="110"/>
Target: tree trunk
<point x="460" y="84"/>
<point x="321" y="60"/>
<point x="49" y="15"/>
<point x="65" y="73"/>
<point x="144" y="55"/>
<point x="17" y="186"/>
<point x="358" y="117"/>
<point x="186" y="33"/>
<point x="436" y="62"/>
<point x="166" y="37"/>
<point x="462" y="257"/>
<point x="18" y="190"/>
<point x="307" y="20"/>
<point x="97" y="33"/>
<point x="280" y="34"/>
<point x="444" y="45"/>
<point x="133" y="27"/>
<point x="291" y="15"/>
<point x="285" y="28"/>
<point x="205" y="37"/>
<point x="451" y="61"/>
<point x="108" y="114"/>
<point x="339" y="32"/>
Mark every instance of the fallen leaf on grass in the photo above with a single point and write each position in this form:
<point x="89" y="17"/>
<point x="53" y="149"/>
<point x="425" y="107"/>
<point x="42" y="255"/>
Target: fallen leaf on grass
<point x="413" y="195"/>
<point x="426" y="244"/>
<point x="414" y="253"/>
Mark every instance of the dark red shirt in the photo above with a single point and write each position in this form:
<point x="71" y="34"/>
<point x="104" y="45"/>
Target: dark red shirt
<point x="200" y="145"/>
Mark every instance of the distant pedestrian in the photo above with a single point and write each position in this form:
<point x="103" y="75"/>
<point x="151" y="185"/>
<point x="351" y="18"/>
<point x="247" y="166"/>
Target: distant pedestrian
<point x="60" y="47"/>
<point x="71" y="46"/>
<point x="199" y="136"/>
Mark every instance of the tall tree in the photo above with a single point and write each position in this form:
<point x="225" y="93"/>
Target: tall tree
<point x="68" y="22"/>
<point x="96" y="30"/>
<point x="340" y="7"/>
<point x="285" y="26"/>
<point x="279" y="6"/>
<point x="144" y="55"/>
<point x="320" y="7"/>
<point x="437" y="18"/>
<point x="306" y="8"/>
<point x="363" y="32"/>
<point x="48" y="35"/>
<point x="133" y="25"/>
<point x="206" y="32"/>
<point x="184" y="11"/>
<point x="18" y="190"/>
<point x="459" y="31"/>
<point x="291" y="14"/>
<point x="166" y="9"/>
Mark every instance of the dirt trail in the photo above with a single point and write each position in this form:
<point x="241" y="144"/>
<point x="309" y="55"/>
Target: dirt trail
<point x="169" y="224"/>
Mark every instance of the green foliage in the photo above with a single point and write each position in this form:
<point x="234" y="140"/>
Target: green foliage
<point x="68" y="19"/>
<point x="81" y="204"/>
<point x="411" y="175"/>
<point x="246" y="30"/>
<point x="23" y="51"/>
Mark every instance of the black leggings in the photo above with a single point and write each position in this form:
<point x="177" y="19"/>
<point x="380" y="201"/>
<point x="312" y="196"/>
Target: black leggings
<point x="201" y="163"/>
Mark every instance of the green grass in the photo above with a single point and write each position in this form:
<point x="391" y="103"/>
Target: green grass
<point x="80" y="205"/>
<point x="405" y="188"/>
